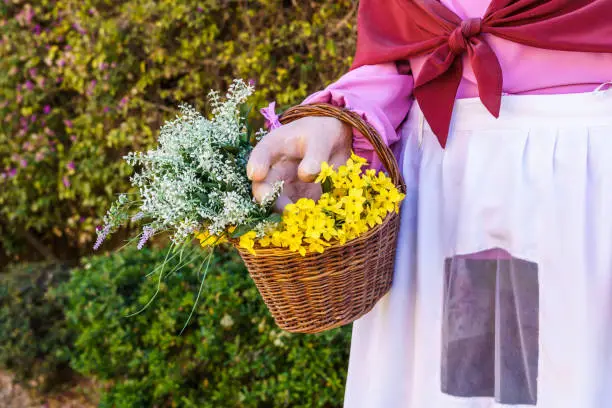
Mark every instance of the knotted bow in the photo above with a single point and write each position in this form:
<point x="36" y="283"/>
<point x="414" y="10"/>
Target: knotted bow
<point x="397" y="30"/>
<point x="459" y="38"/>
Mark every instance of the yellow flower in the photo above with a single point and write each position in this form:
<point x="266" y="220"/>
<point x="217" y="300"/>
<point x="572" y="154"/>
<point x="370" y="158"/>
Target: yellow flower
<point x="247" y="241"/>
<point x="353" y="204"/>
<point x="338" y="193"/>
<point x="326" y="171"/>
<point x="316" y="245"/>
<point x="396" y="198"/>
<point x="315" y="226"/>
<point x="345" y="170"/>
<point x="373" y="217"/>
<point x="305" y="204"/>
<point x="207" y="240"/>
<point x="277" y="239"/>
<point x="292" y="238"/>
<point x="359" y="201"/>
<point x="356" y="181"/>
<point x="358" y="159"/>
<point x="265" y="241"/>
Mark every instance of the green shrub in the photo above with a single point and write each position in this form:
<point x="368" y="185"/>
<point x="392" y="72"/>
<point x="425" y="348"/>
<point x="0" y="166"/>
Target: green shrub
<point x="84" y="81"/>
<point x="230" y="355"/>
<point x="34" y="339"/>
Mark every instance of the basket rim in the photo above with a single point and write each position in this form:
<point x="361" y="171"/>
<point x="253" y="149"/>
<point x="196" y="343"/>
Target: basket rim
<point x="355" y="121"/>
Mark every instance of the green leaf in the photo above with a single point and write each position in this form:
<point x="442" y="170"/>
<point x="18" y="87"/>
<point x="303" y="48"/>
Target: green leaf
<point x="275" y="218"/>
<point x="327" y="185"/>
<point x="241" y="230"/>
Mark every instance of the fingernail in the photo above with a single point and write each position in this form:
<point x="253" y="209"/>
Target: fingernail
<point x="310" y="167"/>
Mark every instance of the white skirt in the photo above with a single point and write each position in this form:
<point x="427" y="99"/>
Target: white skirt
<point x="502" y="293"/>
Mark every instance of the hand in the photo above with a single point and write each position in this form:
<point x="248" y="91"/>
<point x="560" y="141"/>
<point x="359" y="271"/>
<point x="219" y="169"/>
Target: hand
<point x="294" y="153"/>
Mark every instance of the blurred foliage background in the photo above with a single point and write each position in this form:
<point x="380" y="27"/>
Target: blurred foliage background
<point x="85" y="81"/>
<point x="81" y="84"/>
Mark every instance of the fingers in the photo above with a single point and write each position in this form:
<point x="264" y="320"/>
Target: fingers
<point x="316" y="152"/>
<point x="279" y="143"/>
<point x="281" y="202"/>
<point x="340" y="158"/>
<point x="331" y="142"/>
<point x="282" y="170"/>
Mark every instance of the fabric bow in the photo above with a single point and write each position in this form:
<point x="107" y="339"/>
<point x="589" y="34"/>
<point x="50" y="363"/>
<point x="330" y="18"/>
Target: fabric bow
<point x="272" y="119"/>
<point x="398" y="30"/>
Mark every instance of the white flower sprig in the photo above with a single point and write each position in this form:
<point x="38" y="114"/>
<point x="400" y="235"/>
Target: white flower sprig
<point x="196" y="178"/>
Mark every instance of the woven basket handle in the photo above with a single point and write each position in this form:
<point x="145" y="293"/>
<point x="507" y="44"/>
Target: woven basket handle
<point x="354" y="120"/>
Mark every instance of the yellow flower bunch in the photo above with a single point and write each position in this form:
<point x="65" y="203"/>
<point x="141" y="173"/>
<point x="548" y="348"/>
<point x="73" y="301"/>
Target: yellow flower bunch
<point x="353" y="202"/>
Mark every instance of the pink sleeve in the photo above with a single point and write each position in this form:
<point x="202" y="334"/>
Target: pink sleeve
<point x="380" y="94"/>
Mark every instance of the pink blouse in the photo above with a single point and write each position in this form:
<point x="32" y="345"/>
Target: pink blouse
<point x="383" y="96"/>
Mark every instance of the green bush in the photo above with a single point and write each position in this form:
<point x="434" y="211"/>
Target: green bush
<point x="34" y="339"/>
<point x="230" y="355"/>
<point x="84" y="81"/>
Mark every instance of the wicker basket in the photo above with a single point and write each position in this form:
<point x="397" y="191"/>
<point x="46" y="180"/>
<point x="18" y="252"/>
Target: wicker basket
<point x="319" y="292"/>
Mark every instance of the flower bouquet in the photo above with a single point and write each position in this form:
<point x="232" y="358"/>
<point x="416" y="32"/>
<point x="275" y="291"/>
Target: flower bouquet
<point x="317" y="266"/>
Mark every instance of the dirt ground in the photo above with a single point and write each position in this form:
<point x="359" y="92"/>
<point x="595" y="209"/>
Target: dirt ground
<point x="81" y="395"/>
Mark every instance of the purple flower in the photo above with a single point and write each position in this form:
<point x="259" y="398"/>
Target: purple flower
<point x="200" y="9"/>
<point x="66" y="181"/>
<point x="79" y="29"/>
<point x="82" y="219"/>
<point x="29" y="14"/>
<point x="147" y="233"/>
<point x="68" y="123"/>
<point x="70" y="166"/>
<point x="59" y="80"/>
<point x="11" y="173"/>
<point x="91" y="87"/>
<point x="138" y="216"/>
<point x="102" y="234"/>
<point x="32" y="72"/>
<point x="73" y="138"/>
<point x="106" y="109"/>
<point x="23" y="163"/>
<point x="37" y="30"/>
<point x="61" y="62"/>
<point x="68" y="47"/>
<point x="102" y="66"/>
<point x="123" y="101"/>
<point x="252" y="82"/>
<point x="29" y="85"/>
<point x="33" y="118"/>
<point x="92" y="11"/>
<point x="47" y="109"/>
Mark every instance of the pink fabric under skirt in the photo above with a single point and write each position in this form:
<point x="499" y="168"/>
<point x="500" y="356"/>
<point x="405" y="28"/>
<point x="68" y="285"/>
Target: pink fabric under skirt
<point x="502" y="293"/>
